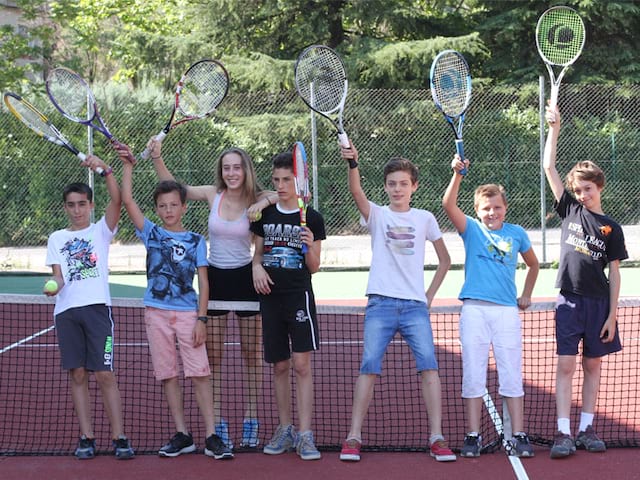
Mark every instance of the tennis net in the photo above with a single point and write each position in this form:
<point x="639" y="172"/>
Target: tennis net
<point x="37" y="413"/>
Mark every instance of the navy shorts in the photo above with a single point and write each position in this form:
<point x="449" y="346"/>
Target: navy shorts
<point x="85" y="337"/>
<point x="288" y="317"/>
<point x="581" y="318"/>
<point x="232" y="284"/>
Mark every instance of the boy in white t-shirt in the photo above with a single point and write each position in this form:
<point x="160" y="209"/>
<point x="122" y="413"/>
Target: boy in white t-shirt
<point x="79" y="257"/>
<point x="397" y="298"/>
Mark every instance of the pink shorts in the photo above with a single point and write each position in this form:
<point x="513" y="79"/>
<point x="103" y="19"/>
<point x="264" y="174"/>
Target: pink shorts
<point x="163" y="328"/>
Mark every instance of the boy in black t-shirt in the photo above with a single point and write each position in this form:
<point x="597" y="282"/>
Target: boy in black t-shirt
<point x="282" y="277"/>
<point x="588" y="299"/>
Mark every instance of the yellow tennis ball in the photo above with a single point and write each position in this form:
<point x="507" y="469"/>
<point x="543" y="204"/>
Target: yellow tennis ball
<point x="258" y="216"/>
<point x="51" y="286"/>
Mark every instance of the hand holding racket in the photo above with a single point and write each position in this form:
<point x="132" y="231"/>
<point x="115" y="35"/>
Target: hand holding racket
<point x="199" y="92"/>
<point x="560" y="36"/>
<point x="31" y="117"/>
<point x="321" y="82"/>
<point x="451" y="91"/>
<point x="301" y="180"/>
<point x="71" y="95"/>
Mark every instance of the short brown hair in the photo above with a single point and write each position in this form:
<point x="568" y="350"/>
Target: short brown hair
<point x="489" y="190"/>
<point x="399" y="164"/>
<point x="585" y="171"/>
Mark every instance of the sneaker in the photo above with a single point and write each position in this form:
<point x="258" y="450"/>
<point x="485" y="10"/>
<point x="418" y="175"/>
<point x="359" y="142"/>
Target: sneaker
<point x="86" y="448"/>
<point x="305" y="447"/>
<point x="471" y="446"/>
<point x="589" y="441"/>
<point x="222" y="430"/>
<point x="283" y="441"/>
<point x="563" y="445"/>
<point x="250" y="433"/>
<point x="122" y="448"/>
<point x="216" y="448"/>
<point x="180" y="443"/>
<point x="441" y="451"/>
<point x="519" y="446"/>
<point x="351" y="450"/>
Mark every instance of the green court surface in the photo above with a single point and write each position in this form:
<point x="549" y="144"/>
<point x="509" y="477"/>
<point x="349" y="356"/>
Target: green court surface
<point x="327" y="285"/>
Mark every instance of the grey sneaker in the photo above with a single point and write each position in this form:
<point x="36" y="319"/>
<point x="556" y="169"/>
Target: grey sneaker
<point x="563" y="445"/>
<point x="86" y="448"/>
<point x="283" y="441"/>
<point x="471" y="446"/>
<point x="519" y="446"/>
<point x="305" y="446"/>
<point x="589" y="441"/>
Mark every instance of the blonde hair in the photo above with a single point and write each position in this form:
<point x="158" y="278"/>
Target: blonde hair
<point x="251" y="187"/>
<point x="489" y="190"/>
<point x="585" y="171"/>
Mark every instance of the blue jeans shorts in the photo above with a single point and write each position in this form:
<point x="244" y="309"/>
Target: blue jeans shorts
<point x="384" y="317"/>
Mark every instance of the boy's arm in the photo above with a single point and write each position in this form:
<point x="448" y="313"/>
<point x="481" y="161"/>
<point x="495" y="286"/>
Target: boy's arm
<point x="531" y="260"/>
<point x="608" y="331"/>
<point x="112" y="212"/>
<point x="444" y="263"/>
<point x="354" y="181"/>
<point x="201" y="193"/>
<point x="312" y="257"/>
<point x="261" y="280"/>
<point x="550" y="148"/>
<point x="135" y="214"/>
<point x="265" y="198"/>
<point x="450" y="197"/>
<point x="200" y="328"/>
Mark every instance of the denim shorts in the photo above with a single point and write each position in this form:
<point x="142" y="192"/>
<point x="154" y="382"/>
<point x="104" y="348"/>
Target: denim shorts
<point x="384" y="317"/>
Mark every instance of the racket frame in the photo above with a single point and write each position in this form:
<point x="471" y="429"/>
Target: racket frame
<point x="302" y="191"/>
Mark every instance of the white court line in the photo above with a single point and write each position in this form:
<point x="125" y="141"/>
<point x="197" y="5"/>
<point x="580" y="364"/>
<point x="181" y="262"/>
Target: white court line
<point x="27" y="339"/>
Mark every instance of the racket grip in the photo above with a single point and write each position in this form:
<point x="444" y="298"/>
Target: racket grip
<point x="460" y="151"/>
<point x="81" y="156"/>
<point x="145" y="153"/>
<point x="343" y="139"/>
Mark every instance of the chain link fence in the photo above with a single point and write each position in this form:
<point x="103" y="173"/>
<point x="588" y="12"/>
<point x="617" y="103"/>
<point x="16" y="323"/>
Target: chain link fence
<point x="502" y="139"/>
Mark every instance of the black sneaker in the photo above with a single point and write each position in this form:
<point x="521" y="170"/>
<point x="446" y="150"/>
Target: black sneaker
<point x="86" y="448"/>
<point x="471" y="446"/>
<point x="122" y="448"/>
<point x="563" y="445"/>
<point x="215" y="447"/>
<point x="180" y="443"/>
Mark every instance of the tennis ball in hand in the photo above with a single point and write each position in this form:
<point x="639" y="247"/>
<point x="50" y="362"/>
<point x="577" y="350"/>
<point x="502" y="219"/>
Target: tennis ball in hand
<point x="258" y="216"/>
<point x="51" y="286"/>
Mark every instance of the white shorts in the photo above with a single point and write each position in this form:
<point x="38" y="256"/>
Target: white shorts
<point x="486" y="324"/>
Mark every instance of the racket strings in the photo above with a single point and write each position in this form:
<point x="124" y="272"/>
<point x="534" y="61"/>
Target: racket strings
<point x="205" y="86"/>
<point x="560" y="36"/>
<point x="31" y="117"/>
<point x="71" y="94"/>
<point x="320" y="79"/>
<point x="450" y="84"/>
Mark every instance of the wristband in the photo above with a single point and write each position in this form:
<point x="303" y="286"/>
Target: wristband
<point x="353" y="164"/>
<point x="106" y="172"/>
<point x="204" y="319"/>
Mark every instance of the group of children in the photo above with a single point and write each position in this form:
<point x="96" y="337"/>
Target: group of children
<point x="280" y="274"/>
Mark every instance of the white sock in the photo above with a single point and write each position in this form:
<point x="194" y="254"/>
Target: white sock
<point x="586" y="419"/>
<point x="564" y="426"/>
<point x="435" y="438"/>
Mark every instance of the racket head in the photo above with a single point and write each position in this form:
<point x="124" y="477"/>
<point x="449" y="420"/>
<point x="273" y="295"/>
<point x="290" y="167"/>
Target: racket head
<point x="301" y="172"/>
<point x="560" y="36"/>
<point x="321" y="78"/>
<point x="450" y="81"/>
<point x="71" y="95"/>
<point x="28" y="114"/>
<point x="202" y="88"/>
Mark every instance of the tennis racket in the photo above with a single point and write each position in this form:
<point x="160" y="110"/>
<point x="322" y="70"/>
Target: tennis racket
<point x="451" y="91"/>
<point x="560" y="36"/>
<point x="301" y="178"/>
<point x="36" y="121"/>
<point x="321" y="82"/>
<point x="71" y="95"/>
<point x="198" y="93"/>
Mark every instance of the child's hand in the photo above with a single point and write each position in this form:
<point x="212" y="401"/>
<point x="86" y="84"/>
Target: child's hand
<point x="306" y="235"/>
<point x="261" y="280"/>
<point x="608" y="331"/>
<point x="95" y="163"/>
<point x="457" y="165"/>
<point x="199" y="333"/>
<point x="155" y="148"/>
<point x="124" y="152"/>
<point x="524" y="302"/>
<point x="350" y="152"/>
<point x="552" y="116"/>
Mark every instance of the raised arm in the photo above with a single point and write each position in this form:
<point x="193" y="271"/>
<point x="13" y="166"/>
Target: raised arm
<point x="354" y="181"/>
<point x="550" y="147"/>
<point x="444" y="263"/>
<point x="112" y="212"/>
<point x="135" y="214"/>
<point x="450" y="197"/>
<point x="531" y="260"/>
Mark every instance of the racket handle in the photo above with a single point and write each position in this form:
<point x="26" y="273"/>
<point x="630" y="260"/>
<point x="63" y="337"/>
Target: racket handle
<point x="460" y="151"/>
<point x="343" y="139"/>
<point x="145" y="154"/>
<point x="553" y="101"/>
<point x="83" y="157"/>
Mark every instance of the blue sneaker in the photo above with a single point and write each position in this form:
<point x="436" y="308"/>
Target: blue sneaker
<point x="283" y="441"/>
<point x="250" y="433"/>
<point x="122" y="448"/>
<point x="222" y="430"/>
<point x="305" y="446"/>
<point x="86" y="448"/>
